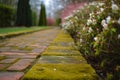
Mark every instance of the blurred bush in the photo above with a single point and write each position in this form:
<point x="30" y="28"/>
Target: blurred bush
<point x="6" y="16"/>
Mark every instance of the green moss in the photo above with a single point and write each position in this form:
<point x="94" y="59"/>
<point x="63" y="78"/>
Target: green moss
<point x="9" y="64"/>
<point x="63" y="37"/>
<point x="66" y="51"/>
<point x="63" y="40"/>
<point x="14" y="47"/>
<point x="60" y="53"/>
<point x="61" y="72"/>
<point x="2" y="57"/>
<point x="26" y="48"/>
<point x="65" y="44"/>
<point x="60" y="48"/>
<point x="3" y="68"/>
<point x="61" y="60"/>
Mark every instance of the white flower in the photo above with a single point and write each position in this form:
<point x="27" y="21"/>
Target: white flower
<point x="89" y="21"/>
<point x="90" y="30"/>
<point x="101" y="4"/>
<point x="91" y="14"/>
<point x="103" y="22"/>
<point x="119" y="21"/>
<point x="114" y="7"/>
<point x="68" y="17"/>
<point x="118" y="36"/>
<point x="81" y="40"/>
<point x="108" y="19"/>
<point x="105" y="26"/>
<point x="94" y="21"/>
<point x="76" y="17"/>
<point x="84" y="28"/>
<point x="101" y="9"/>
<point x="93" y="3"/>
<point x="96" y="38"/>
<point x="98" y="6"/>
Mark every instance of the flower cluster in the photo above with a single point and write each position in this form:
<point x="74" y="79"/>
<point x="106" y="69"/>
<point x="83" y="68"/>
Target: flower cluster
<point x="96" y="30"/>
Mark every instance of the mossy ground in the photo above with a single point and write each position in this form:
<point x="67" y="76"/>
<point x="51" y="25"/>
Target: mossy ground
<point x="61" y="72"/>
<point x="60" y="47"/>
<point x="48" y="53"/>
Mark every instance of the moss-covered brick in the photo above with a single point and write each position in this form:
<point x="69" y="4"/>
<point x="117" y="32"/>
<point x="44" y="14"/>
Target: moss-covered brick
<point x="58" y="53"/>
<point x="61" y="60"/>
<point x="61" y="72"/>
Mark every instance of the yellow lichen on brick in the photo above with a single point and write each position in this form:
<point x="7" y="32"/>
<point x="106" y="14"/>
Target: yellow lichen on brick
<point x="61" y="72"/>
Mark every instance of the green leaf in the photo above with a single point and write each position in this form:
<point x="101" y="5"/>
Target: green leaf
<point x="113" y="30"/>
<point x="97" y="52"/>
<point x="95" y="44"/>
<point x="103" y="63"/>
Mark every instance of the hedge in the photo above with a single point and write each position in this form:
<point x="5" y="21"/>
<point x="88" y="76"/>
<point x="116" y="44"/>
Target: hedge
<point x="6" y="15"/>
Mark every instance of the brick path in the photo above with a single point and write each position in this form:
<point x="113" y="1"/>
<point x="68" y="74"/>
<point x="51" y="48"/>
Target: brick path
<point x="61" y="61"/>
<point x="19" y="53"/>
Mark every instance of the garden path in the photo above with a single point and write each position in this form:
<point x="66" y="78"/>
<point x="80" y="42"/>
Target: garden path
<point x="61" y="61"/>
<point x="18" y="54"/>
<point x="21" y="58"/>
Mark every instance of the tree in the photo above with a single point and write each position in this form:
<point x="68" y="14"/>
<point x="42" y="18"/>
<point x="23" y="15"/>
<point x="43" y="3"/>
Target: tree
<point x="11" y="3"/>
<point x="34" y="18"/>
<point x="42" y="17"/>
<point x="24" y="14"/>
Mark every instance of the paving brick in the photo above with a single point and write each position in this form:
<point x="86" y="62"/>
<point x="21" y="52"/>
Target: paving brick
<point x="38" y="50"/>
<point x="15" y="47"/>
<point x="61" y="60"/>
<point x="2" y="66"/>
<point x="19" y="55"/>
<point x="8" y="60"/>
<point x="23" y="57"/>
<point x="11" y="75"/>
<point x="21" y="65"/>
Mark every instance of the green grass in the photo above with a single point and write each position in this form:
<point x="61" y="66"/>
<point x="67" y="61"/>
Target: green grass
<point x="19" y="29"/>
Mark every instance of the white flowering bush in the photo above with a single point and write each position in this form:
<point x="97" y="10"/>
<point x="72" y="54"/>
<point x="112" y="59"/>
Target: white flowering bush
<point x="96" y="30"/>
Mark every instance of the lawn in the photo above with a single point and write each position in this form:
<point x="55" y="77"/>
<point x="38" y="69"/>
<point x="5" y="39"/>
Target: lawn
<point x="19" y="29"/>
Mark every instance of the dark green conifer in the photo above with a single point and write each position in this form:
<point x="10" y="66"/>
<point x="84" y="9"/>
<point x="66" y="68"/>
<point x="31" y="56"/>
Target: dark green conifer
<point x="24" y="16"/>
<point x="42" y="17"/>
